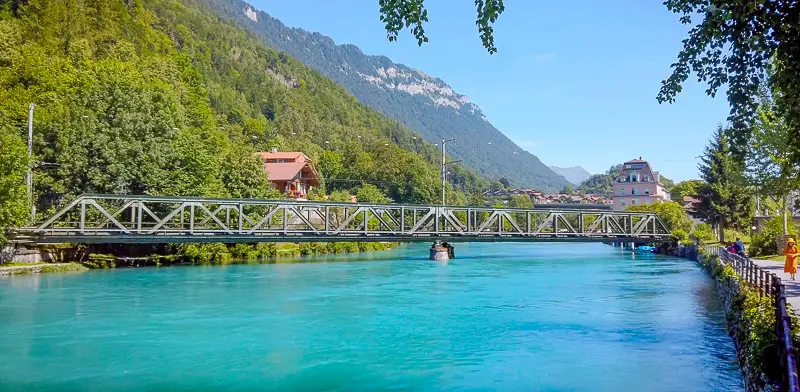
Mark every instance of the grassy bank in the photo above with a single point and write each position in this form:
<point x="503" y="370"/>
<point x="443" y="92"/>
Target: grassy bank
<point x="217" y="253"/>
<point x="38" y="268"/>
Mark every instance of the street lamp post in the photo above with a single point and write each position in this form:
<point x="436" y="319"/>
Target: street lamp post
<point x="30" y="163"/>
<point x="444" y="169"/>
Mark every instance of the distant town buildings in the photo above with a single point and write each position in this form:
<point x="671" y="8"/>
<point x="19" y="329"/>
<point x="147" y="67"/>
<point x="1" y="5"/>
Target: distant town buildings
<point x="637" y="183"/>
<point x="292" y="173"/>
<point x="538" y="197"/>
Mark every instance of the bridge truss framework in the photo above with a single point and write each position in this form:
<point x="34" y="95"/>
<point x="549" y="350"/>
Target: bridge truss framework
<point x="152" y="219"/>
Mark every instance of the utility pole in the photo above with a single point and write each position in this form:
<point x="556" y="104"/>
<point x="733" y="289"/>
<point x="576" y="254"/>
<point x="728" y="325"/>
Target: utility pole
<point x="444" y="169"/>
<point x="30" y="163"/>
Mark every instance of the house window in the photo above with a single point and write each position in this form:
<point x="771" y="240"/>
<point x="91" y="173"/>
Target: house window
<point x="633" y="202"/>
<point x="635" y="191"/>
<point x="646" y="191"/>
<point x="622" y="202"/>
<point x="646" y="178"/>
<point x="622" y="191"/>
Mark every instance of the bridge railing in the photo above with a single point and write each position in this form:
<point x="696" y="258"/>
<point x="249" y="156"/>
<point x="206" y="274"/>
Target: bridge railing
<point x="101" y="218"/>
<point x="767" y="284"/>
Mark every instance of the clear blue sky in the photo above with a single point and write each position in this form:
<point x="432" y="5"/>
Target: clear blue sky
<point x="573" y="84"/>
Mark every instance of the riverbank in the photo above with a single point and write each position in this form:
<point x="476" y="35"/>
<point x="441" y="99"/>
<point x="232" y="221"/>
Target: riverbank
<point x="189" y="254"/>
<point x="39" y="268"/>
<point x="751" y="324"/>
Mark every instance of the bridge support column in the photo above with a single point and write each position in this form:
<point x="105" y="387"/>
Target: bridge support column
<point x="441" y="251"/>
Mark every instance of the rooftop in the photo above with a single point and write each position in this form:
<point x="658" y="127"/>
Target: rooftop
<point x="288" y="155"/>
<point x="283" y="171"/>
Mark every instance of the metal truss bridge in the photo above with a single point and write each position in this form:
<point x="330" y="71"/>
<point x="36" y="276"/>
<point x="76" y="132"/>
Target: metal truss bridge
<point x="93" y="219"/>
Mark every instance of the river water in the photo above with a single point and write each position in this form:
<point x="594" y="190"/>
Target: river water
<point x="500" y="317"/>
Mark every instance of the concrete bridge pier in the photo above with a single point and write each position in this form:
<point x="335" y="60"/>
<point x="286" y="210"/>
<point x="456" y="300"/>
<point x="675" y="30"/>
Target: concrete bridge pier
<point x="442" y="251"/>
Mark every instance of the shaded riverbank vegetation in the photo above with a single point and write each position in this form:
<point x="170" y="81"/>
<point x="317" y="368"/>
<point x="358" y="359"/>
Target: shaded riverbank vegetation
<point x="103" y="257"/>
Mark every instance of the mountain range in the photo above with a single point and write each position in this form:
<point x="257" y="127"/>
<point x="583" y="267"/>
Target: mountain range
<point x="575" y="175"/>
<point x="421" y="102"/>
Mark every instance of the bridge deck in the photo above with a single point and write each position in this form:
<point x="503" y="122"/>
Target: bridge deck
<point x="147" y="219"/>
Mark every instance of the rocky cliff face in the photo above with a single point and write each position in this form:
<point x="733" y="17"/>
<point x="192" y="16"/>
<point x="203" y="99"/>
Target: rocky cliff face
<point x="421" y="102"/>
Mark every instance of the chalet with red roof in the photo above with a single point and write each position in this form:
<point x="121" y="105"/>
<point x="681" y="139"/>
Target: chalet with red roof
<point x="292" y="173"/>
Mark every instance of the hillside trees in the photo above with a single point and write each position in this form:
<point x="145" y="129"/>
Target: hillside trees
<point x="161" y="98"/>
<point x="13" y="192"/>
<point x="601" y="184"/>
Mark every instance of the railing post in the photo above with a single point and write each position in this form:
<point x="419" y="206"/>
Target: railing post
<point x="191" y="218"/>
<point x="528" y="222"/>
<point x="437" y="214"/>
<point x="241" y="218"/>
<point x="83" y="216"/>
<point x="139" y="217"/>
<point x="285" y="221"/>
<point x="402" y="220"/>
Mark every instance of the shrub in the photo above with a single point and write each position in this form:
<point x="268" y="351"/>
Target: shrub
<point x="678" y="236"/>
<point x="704" y="232"/>
<point x="763" y="243"/>
<point x="206" y="253"/>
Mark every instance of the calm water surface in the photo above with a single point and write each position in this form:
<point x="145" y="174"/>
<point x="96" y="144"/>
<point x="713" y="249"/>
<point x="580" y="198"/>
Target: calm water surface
<point x="501" y="317"/>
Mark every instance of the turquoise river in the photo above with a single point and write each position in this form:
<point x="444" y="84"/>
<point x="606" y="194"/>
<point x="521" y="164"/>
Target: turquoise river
<point x="500" y="317"/>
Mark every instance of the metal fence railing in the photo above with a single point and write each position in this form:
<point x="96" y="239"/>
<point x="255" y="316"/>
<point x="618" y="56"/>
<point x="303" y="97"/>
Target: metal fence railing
<point x="767" y="284"/>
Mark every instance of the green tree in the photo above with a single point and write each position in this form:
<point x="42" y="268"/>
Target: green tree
<point x="685" y="188"/>
<point x="505" y="181"/>
<point x="772" y="167"/>
<point x="764" y="242"/>
<point x="725" y="198"/>
<point x="369" y="193"/>
<point x="13" y="191"/>
<point x="399" y="14"/>
<point x="671" y="213"/>
<point x="754" y="36"/>
<point x="567" y="189"/>
<point x="520" y="201"/>
<point x="330" y="165"/>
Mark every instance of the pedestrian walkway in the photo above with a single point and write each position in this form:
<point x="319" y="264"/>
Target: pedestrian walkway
<point x="792" y="286"/>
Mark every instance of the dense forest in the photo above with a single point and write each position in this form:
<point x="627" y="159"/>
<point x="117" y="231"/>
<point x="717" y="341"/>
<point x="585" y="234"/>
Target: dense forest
<point x="162" y="97"/>
<point x="423" y="103"/>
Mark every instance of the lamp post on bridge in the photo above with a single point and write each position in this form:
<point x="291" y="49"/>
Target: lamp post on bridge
<point x="444" y="169"/>
<point x="29" y="179"/>
<point x="31" y="166"/>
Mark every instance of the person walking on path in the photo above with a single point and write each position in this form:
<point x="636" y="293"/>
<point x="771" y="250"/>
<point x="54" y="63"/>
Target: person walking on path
<point x="738" y="247"/>
<point x="791" y="253"/>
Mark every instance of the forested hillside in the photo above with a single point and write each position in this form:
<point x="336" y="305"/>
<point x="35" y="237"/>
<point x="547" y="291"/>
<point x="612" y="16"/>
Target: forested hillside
<point x="422" y="103"/>
<point x="161" y="97"/>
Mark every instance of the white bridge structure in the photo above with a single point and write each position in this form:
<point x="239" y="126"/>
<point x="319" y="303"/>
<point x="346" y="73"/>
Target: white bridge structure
<point x="96" y="219"/>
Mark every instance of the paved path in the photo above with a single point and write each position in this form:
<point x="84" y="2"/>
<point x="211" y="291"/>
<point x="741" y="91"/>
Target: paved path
<point x="792" y="286"/>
